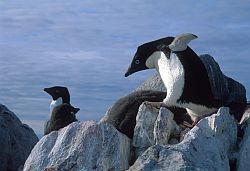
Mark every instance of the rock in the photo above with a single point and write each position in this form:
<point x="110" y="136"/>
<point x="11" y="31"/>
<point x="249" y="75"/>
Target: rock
<point x="16" y="140"/>
<point x="153" y="126"/>
<point x="164" y="126"/>
<point x="153" y="83"/>
<point x="143" y="132"/>
<point x="225" y="89"/>
<point x="207" y="146"/>
<point x="81" y="146"/>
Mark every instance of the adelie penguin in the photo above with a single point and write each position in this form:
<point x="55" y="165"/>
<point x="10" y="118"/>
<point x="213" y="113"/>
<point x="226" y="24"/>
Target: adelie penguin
<point x="62" y="113"/>
<point x="185" y="77"/>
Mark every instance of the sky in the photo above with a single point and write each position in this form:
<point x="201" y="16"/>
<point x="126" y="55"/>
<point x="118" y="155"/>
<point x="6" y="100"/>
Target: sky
<point x="88" y="45"/>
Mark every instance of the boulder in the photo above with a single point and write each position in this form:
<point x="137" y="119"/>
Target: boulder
<point x="165" y="126"/>
<point x="207" y="146"/>
<point x="144" y="128"/>
<point x="152" y="127"/>
<point x="225" y="89"/>
<point x="153" y="83"/>
<point x="81" y="146"/>
<point x="16" y="140"/>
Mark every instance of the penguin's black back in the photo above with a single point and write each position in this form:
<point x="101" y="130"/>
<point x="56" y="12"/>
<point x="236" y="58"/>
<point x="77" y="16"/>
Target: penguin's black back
<point x="122" y="114"/>
<point x="197" y="87"/>
<point x="61" y="116"/>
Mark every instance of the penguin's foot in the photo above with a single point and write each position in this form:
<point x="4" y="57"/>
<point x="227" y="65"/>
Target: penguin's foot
<point x="157" y="105"/>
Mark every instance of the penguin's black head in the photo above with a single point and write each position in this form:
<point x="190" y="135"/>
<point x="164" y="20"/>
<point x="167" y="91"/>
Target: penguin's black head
<point x="58" y="91"/>
<point x="145" y="51"/>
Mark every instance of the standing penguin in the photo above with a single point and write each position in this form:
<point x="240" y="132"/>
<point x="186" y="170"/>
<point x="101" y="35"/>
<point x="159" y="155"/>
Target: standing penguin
<point x="62" y="113"/>
<point x="182" y="72"/>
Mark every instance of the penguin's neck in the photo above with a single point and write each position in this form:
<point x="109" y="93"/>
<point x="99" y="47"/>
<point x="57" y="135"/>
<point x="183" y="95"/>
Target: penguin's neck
<point x="55" y="103"/>
<point x="171" y="72"/>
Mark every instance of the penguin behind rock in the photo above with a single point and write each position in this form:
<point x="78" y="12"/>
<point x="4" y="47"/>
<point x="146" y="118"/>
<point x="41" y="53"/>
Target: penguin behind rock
<point x="59" y="96"/>
<point x="60" y="102"/>
<point x="122" y="114"/>
<point x="61" y="116"/>
<point x="182" y="72"/>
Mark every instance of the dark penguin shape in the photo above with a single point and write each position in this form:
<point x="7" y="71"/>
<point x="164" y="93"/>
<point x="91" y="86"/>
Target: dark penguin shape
<point x="61" y="116"/>
<point x="122" y="114"/>
<point x="182" y="72"/>
<point x="59" y="96"/>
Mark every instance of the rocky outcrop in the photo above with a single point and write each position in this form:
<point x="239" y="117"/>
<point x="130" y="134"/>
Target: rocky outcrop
<point x="16" y="141"/>
<point x="208" y="146"/>
<point x="84" y="146"/>
<point x="153" y="83"/>
<point x="153" y="126"/>
<point x="225" y="89"/>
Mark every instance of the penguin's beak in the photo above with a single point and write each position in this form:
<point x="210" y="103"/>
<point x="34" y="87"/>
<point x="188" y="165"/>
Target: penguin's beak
<point x="75" y="110"/>
<point x="128" y="72"/>
<point x="46" y="90"/>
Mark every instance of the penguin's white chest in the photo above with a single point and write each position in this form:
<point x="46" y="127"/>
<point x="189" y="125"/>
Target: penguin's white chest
<point x="55" y="103"/>
<point x="172" y="74"/>
<point x="173" y="77"/>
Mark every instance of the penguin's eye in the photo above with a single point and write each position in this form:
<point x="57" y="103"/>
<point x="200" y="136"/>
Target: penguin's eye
<point x="137" y="61"/>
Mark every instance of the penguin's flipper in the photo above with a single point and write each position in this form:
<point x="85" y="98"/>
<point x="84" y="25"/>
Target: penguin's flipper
<point x="181" y="41"/>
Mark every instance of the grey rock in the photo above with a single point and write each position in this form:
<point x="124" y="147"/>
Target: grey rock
<point x="143" y="131"/>
<point x="84" y="146"/>
<point x="145" y="119"/>
<point x="207" y="146"/>
<point x="16" y="140"/>
<point x="164" y="126"/>
<point x="225" y="89"/>
<point x="152" y="127"/>
<point x="153" y="83"/>
<point x="218" y="81"/>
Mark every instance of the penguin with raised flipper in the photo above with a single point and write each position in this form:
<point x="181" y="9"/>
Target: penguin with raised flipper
<point x="62" y="113"/>
<point x="184" y="75"/>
